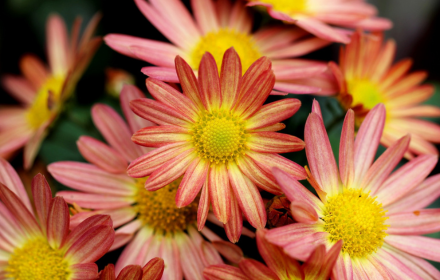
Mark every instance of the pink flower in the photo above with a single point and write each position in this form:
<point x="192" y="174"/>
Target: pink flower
<point x="39" y="245"/>
<point x="43" y="91"/>
<point x="219" y="137"/>
<point x="366" y="77"/>
<point x="214" y="28"/>
<point x="377" y="213"/>
<point x="153" y="270"/>
<point x="315" y="15"/>
<point x="279" y="265"/>
<point x="148" y="223"/>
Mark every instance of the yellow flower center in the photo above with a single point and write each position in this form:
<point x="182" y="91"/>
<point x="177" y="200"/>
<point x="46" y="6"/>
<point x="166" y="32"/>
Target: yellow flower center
<point x="42" y="107"/>
<point x="219" y="136"/>
<point x="37" y="260"/>
<point x="357" y="219"/>
<point x="287" y="6"/>
<point x="158" y="209"/>
<point x="364" y="92"/>
<point x="218" y="42"/>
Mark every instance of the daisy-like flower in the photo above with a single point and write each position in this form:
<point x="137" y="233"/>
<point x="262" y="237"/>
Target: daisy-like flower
<point x="216" y="27"/>
<point x="153" y="270"/>
<point x="38" y="244"/>
<point x="366" y="77"/>
<point x="377" y="213"/>
<point x="279" y="265"/>
<point x="219" y="137"/>
<point x="149" y="223"/>
<point x="42" y="90"/>
<point x="315" y="15"/>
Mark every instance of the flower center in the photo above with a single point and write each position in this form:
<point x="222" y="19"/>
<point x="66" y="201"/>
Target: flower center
<point x="41" y="109"/>
<point x="365" y="93"/>
<point x="218" y="42"/>
<point x="219" y="136"/>
<point x="357" y="219"/>
<point x="158" y="209"/>
<point x="286" y="6"/>
<point x="37" y="260"/>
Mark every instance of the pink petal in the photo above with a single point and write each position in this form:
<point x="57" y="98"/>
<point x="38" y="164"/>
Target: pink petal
<point x="101" y="155"/>
<point x="34" y="70"/>
<point x="301" y="48"/>
<point x="115" y="131"/>
<point x="210" y="255"/>
<point x="135" y="252"/>
<point x="367" y="141"/>
<point x="268" y="161"/>
<point x="274" y="142"/>
<point x="203" y="209"/>
<point x="57" y="48"/>
<point x="157" y="56"/>
<point x="219" y="192"/>
<point x="132" y="272"/>
<point x="190" y="257"/>
<point x="393" y="265"/>
<point x="322" y="30"/>
<point x="128" y="93"/>
<point x="303" y="212"/>
<point x="234" y="226"/>
<point x="285" y="235"/>
<point x="204" y="12"/>
<point x="420" y="246"/>
<point x="156" y="112"/>
<point x="85" y="226"/>
<point x="19" y="88"/>
<point x="85" y="271"/>
<point x="230" y="77"/>
<point x="57" y="222"/>
<point x="169" y="252"/>
<point x="320" y="154"/>
<point x="223" y="271"/>
<point x="10" y="178"/>
<point x="33" y="145"/>
<point x="153" y="270"/>
<point x="209" y="83"/>
<point x="260" y="177"/>
<point x="346" y="150"/>
<point x="418" y="222"/>
<point x="96" y="201"/>
<point x="188" y="81"/>
<point x="192" y="182"/>
<point x="157" y="136"/>
<point x="256" y="270"/>
<point x="42" y="198"/>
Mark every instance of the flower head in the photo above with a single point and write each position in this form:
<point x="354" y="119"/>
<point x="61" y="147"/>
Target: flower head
<point x="315" y="15"/>
<point x="148" y="223"/>
<point x="278" y="265"/>
<point x="39" y="245"/>
<point x="43" y="90"/>
<point x="377" y="213"/>
<point x="219" y="137"/>
<point x="153" y="270"/>
<point x="366" y="77"/>
<point x="215" y="27"/>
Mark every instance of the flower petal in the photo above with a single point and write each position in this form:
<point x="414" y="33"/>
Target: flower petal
<point x="157" y="136"/>
<point x="346" y="150"/>
<point x="132" y="272"/>
<point x="256" y="270"/>
<point x="86" y="225"/>
<point x="223" y="272"/>
<point x="156" y="112"/>
<point x="192" y="182"/>
<point x="86" y="271"/>
<point x="234" y="226"/>
<point x="20" y="88"/>
<point x="188" y="81"/>
<point x="203" y="210"/>
<point x="274" y="142"/>
<point x="273" y="113"/>
<point x="57" y="48"/>
<point x="219" y="192"/>
<point x="268" y="161"/>
<point x="42" y="198"/>
<point x="9" y="177"/>
<point x="419" y="222"/>
<point x="260" y="177"/>
<point x="420" y="246"/>
<point x="96" y="201"/>
<point x="230" y="77"/>
<point x="57" y="222"/>
<point x="153" y="270"/>
<point x="128" y="93"/>
<point x="209" y="83"/>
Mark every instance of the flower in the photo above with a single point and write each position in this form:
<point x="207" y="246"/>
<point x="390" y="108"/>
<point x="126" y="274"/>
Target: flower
<point x="215" y="27"/>
<point x="38" y="245"/>
<point x="115" y="79"/>
<point x="279" y="265"/>
<point x="219" y="137"/>
<point x="315" y="15"/>
<point x="365" y="78"/>
<point x="43" y="91"/>
<point x="153" y="270"/>
<point x="377" y="214"/>
<point x="149" y="223"/>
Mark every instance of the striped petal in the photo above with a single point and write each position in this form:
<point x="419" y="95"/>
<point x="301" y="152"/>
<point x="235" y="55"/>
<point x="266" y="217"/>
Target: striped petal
<point x="42" y="198"/>
<point x="418" y="222"/>
<point x="273" y="142"/>
<point x="256" y="270"/>
<point x="57" y="222"/>
<point x="420" y="246"/>
<point x="203" y="209"/>
<point x="57" y="48"/>
<point x="9" y="177"/>
<point x="273" y="113"/>
<point x="153" y="270"/>
<point x="223" y="272"/>
<point x="209" y="83"/>
<point x="346" y="150"/>
<point x="192" y="182"/>
<point x="96" y="201"/>
<point x="156" y="112"/>
<point x="128" y="93"/>
<point x="268" y="161"/>
<point x="157" y="136"/>
<point x="260" y="177"/>
<point x="230" y="78"/>
<point x="132" y="272"/>
<point x="234" y="226"/>
<point x="188" y="81"/>
<point x="86" y="271"/>
<point x="219" y="192"/>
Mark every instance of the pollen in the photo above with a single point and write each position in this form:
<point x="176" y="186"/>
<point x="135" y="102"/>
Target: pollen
<point x="37" y="260"/>
<point x="356" y="218"/>
<point x="365" y="93"/>
<point x="287" y="6"/>
<point x="219" y="136"/>
<point x="158" y="210"/>
<point x="44" y="102"/>
<point x="218" y="42"/>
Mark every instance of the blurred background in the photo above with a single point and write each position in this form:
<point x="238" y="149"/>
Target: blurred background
<point x="22" y="30"/>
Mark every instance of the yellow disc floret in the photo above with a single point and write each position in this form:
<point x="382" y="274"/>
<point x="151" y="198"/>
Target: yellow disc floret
<point x="289" y="7"/>
<point x="218" y="42"/>
<point x="158" y="210"/>
<point x="37" y="260"/>
<point x="219" y="136"/>
<point x="364" y="92"/>
<point x="356" y="218"/>
<point x="47" y="99"/>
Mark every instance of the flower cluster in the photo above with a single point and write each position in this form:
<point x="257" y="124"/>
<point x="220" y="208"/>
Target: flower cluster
<point x="167" y="190"/>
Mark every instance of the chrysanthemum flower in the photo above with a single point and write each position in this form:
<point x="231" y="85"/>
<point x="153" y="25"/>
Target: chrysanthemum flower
<point x="365" y="78"/>
<point x="215" y="27"/>
<point x="153" y="270"/>
<point x="42" y="90"/>
<point x="39" y="245"/>
<point x="279" y="265"/>
<point x="315" y="15"/>
<point x="149" y="223"/>
<point x="377" y="213"/>
<point x="219" y="137"/>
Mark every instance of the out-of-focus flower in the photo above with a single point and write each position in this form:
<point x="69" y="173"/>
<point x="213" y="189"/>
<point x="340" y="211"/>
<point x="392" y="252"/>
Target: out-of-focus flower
<point x="153" y="270"/>
<point x="315" y="15"/>
<point x="366" y="77"/>
<point x="377" y="214"/>
<point x="43" y="90"/>
<point x="216" y="27"/>
<point x="148" y="222"/>
<point x="38" y="244"/>
<point x="279" y="265"/>
<point x="219" y="137"/>
<point x="116" y="79"/>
